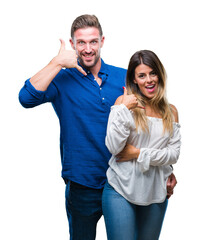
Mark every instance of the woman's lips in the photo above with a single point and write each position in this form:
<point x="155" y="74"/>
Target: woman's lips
<point x="150" y="88"/>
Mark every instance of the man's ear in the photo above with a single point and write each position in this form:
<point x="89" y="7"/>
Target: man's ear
<point x="72" y="43"/>
<point x="102" y="41"/>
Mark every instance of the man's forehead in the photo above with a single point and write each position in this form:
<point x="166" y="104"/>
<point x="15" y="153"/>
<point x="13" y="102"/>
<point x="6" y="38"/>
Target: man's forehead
<point x="87" y="33"/>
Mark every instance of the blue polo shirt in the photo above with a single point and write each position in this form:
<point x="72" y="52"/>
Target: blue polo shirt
<point x="82" y="107"/>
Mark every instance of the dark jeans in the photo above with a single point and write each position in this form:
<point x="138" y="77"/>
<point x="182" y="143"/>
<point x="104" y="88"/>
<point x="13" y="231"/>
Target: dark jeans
<point x="84" y="209"/>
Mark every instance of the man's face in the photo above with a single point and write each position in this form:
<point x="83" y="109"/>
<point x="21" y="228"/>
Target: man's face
<point x="87" y="43"/>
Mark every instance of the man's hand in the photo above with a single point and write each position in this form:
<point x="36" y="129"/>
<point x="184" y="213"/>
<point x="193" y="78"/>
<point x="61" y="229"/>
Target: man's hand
<point x="171" y="183"/>
<point x="64" y="59"/>
<point x="128" y="153"/>
<point x="68" y="58"/>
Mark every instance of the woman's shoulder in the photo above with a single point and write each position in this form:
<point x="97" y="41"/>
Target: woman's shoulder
<point x="175" y="112"/>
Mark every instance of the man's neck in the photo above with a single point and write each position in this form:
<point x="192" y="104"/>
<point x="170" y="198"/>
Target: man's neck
<point x="95" y="70"/>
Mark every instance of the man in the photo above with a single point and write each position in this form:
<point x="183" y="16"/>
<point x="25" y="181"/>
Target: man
<point x="81" y="93"/>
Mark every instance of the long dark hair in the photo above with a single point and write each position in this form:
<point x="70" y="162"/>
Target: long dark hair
<point x="159" y="101"/>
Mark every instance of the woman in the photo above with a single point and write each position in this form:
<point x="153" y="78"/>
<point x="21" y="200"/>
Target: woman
<point x="135" y="196"/>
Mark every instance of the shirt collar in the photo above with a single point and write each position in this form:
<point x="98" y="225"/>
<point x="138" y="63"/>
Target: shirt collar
<point x="104" y="68"/>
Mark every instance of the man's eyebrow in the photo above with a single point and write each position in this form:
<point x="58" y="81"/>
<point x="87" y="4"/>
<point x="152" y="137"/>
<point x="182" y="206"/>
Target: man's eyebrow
<point x="80" y="39"/>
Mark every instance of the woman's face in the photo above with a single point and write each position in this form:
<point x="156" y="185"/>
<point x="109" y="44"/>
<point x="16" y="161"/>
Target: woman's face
<point x="147" y="80"/>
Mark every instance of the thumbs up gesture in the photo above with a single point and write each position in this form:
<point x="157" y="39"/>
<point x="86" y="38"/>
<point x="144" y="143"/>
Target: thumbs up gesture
<point x="68" y="58"/>
<point x="130" y="101"/>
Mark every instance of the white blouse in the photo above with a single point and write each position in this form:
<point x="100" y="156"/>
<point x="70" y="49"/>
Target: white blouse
<point x="141" y="181"/>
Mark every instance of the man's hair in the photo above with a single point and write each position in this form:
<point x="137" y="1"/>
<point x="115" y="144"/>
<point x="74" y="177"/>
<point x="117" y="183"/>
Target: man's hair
<point x="85" y="21"/>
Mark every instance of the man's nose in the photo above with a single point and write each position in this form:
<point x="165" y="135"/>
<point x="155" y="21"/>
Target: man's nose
<point x="88" y="47"/>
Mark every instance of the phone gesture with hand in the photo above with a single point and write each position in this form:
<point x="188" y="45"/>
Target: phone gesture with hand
<point x="68" y="58"/>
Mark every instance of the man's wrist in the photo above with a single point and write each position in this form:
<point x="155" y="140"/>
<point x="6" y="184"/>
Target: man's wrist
<point x="55" y="62"/>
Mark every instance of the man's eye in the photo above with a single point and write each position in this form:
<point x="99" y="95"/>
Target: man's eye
<point x="81" y="43"/>
<point x="94" y="42"/>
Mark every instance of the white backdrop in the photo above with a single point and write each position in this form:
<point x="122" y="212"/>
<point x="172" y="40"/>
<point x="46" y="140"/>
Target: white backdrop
<point x="32" y="204"/>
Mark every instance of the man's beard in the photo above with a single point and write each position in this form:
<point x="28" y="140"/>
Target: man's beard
<point x="89" y="64"/>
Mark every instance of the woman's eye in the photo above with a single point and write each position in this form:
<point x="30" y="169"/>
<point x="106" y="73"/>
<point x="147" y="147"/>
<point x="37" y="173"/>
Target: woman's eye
<point x="153" y="74"/>
<point x="141" y="76"/>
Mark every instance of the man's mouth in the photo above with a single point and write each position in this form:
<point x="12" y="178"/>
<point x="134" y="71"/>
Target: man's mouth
<point x="88" y="57"/>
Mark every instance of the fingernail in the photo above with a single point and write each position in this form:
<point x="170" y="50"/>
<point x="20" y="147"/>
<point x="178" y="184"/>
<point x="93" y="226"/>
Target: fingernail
<point x="123" y="87"/>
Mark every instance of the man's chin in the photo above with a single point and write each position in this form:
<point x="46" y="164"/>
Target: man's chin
<point x="88" y="64"/>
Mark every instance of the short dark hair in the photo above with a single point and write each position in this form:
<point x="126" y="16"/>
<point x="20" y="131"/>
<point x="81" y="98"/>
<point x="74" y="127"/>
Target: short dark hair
<point x="85" y="21"/>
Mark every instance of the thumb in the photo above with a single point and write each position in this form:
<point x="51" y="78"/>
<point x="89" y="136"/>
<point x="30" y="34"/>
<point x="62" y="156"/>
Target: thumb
<point x="62" y="46"/>
<point x="125" y="91"/>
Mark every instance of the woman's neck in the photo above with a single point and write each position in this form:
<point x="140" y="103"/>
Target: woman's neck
<point x="151" y="112"/>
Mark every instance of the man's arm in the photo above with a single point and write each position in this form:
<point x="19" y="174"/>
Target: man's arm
<point x="64" y="59"/>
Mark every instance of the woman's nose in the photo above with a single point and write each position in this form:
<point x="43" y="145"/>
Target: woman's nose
<point x="148" y="78"/>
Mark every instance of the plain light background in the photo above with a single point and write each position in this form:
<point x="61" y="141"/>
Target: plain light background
<point x="32" y="204"/>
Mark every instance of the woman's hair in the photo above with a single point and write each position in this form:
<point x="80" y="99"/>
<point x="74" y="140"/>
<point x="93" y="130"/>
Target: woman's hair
<point x="159" y="102"/>
<point x="85" y="21"/>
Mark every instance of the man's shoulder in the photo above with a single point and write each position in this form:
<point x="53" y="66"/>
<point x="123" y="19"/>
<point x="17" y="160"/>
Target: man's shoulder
<point x="116" y="68"/>
<point x="65" y="73"/>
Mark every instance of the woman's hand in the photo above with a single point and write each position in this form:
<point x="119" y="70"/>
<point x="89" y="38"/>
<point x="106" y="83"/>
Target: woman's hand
<point x="130" y="101"/>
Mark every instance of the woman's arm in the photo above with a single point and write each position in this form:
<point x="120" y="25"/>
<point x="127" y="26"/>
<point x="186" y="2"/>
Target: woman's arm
<point x="130" y="152"/>
<point x="166" y="156"/>
<point x="118" y="128"/>
<point x="119" y="122"/>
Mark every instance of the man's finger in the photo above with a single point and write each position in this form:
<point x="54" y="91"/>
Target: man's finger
<point x="62" y="47"/>
<point x="81" y="70"/>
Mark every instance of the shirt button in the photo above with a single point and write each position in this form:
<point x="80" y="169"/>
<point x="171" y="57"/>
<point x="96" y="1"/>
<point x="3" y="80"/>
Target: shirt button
<point x="100" y="88"/>
<point x="103" y="98"/>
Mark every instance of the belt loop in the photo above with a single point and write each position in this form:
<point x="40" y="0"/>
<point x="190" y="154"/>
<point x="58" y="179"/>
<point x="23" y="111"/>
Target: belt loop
<point x="66" y="181"/>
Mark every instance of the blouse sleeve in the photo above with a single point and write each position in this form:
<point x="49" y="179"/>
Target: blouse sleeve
<point x="118" y="128"/>
<point x="159" y="157"/>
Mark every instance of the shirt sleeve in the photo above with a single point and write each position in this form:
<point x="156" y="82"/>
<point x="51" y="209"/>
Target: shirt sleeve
<point x="118" y="128"/>
<point x="159" y="157"/>
<point x="30" y="97"/>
